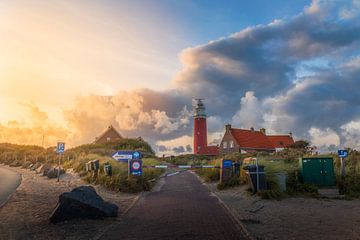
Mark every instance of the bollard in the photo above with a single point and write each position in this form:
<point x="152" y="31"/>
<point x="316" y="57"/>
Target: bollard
<point x="96" y="167"/>
<point x="107" y="169"/>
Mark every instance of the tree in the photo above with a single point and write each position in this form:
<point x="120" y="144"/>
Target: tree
<point x="300" y="144"/>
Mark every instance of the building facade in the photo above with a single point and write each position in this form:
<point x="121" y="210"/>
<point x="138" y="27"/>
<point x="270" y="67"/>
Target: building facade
<point x="249" y="140"/>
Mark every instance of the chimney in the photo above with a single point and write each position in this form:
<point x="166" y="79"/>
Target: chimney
<point x="252" y="129"/>
<point x="290" y="134"/>
<point x="263" y="131"/>
<point x="227" y="127"/>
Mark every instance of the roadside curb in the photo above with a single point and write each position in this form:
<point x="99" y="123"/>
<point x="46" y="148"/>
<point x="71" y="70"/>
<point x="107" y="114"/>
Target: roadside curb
<point x="235" y="216"/>
<point x="118" y="219"/>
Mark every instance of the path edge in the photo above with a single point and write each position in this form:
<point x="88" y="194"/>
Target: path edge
<point x="12" y="194"/>
<point x="235" y="216"/>
<point x="118" y="219"/>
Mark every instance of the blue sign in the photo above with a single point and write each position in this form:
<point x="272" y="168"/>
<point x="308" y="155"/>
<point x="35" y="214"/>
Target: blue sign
<point x="343" y="153"/>
<point x="136" y="155"/>
<point x="227" y="163"/>
<point x="125" y="156"/>
<point x="60" y="147"/>
<point x="135" y="167"/>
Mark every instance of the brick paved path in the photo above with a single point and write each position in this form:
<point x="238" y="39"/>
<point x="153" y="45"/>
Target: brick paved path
<point x="182" y="209"/>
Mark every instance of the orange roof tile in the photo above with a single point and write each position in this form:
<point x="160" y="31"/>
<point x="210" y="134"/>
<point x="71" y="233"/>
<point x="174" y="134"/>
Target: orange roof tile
<point x="281" y="141"/>
<point x="251" y="139"/>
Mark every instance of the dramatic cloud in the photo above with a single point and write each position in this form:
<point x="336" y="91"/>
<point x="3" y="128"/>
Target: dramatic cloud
<point x="154" y="116"/>
<point x="299" y="74"/>
<point x="250" y="114"/>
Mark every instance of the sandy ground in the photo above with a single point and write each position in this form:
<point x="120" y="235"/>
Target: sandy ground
<point x="294" y="218"/>
<point x="26" y="214"/>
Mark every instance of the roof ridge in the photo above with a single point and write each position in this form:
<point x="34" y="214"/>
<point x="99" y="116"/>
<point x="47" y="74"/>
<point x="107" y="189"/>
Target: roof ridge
<point x="109" y="127"/>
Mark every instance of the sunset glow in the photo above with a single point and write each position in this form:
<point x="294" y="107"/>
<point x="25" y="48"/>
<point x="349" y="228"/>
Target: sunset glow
<point x="69" y="69"/>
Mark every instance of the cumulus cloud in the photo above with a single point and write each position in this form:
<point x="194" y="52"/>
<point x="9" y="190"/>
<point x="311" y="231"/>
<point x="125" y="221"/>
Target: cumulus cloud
<point x="250" y="114"/>
<point x="290" y="75"/>
<point x="324" y="139"/>
<point x="132" y="113"/>
<point x="298" y="74"/>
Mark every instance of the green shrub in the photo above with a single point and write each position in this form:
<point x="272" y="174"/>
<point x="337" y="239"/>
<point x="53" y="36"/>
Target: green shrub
<point x="295" y="187"/>
<point x="350" y="185"/>
<point x="76" y="158"/>
<point x="273" y="190"/>
<point x="209" y="175"/>
<point x="232" y="182"/>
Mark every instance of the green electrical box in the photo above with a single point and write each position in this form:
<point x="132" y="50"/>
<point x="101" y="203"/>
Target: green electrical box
<point x="318" y="170"/>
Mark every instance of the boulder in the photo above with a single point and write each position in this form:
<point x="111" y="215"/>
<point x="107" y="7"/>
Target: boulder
<point x="15" y="163"/>
<point x="82" y="202"/>
<point x="35" y="166"/>
<point x="53" y="172"/>
<point x="44" y="168"/>
<point x="26" y="164"/>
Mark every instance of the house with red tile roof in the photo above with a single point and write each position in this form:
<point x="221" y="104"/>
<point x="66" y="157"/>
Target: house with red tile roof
<point x="250" y="140"/>
<point x="111" y="134"/>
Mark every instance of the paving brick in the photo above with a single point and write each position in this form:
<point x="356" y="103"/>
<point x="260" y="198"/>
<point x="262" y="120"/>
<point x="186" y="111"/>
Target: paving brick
<point x="182" y="209"/>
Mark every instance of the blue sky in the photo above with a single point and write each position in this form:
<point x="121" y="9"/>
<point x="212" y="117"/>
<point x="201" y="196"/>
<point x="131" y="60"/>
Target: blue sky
<point x="204" y="21"/>
<point x="283" y="65"/>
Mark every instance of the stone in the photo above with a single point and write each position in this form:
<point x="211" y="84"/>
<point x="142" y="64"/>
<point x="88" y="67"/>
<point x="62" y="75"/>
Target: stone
<point x="82" y="202"/>
<point x="15" y="163"/>
<point x="53" y="172"/>
<point x="35" y="166"/>
<point x="44" y="168"/>
<point x="26" y="164"/>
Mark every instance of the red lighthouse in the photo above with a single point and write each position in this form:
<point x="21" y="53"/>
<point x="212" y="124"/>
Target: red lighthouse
<point x="200" y="130"/>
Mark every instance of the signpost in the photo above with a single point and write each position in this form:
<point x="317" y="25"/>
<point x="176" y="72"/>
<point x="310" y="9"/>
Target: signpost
<point x="60" y="149"/>
<point x="342" y="155"/>
<point x="135" y="167"/>
<point x="132" y="158"/>
<point x="125" y="156"/>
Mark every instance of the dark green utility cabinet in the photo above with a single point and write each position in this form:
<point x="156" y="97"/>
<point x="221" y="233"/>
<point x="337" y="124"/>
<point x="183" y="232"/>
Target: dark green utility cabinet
<point x="318" y="171"/>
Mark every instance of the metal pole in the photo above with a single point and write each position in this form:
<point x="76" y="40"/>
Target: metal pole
<point x="342" y="161"/>
<point x="128" y="168"/>
<point x="257" y="175"/>
<point x="58" y="173"/>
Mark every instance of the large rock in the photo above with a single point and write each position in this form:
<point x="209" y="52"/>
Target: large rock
<point x="26" y="164"/>
<point x="35" y="166"/>
<point x="53" y="172"/>
<point x="44" y="168"/>
<point x="15" y="163"/>
<point x="82" y="202"/>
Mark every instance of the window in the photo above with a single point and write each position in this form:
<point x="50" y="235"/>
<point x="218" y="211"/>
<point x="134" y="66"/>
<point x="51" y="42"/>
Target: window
<point x="231" y="144"/>
<point x="224" y="145"/>
<point x="108" y="139"/>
